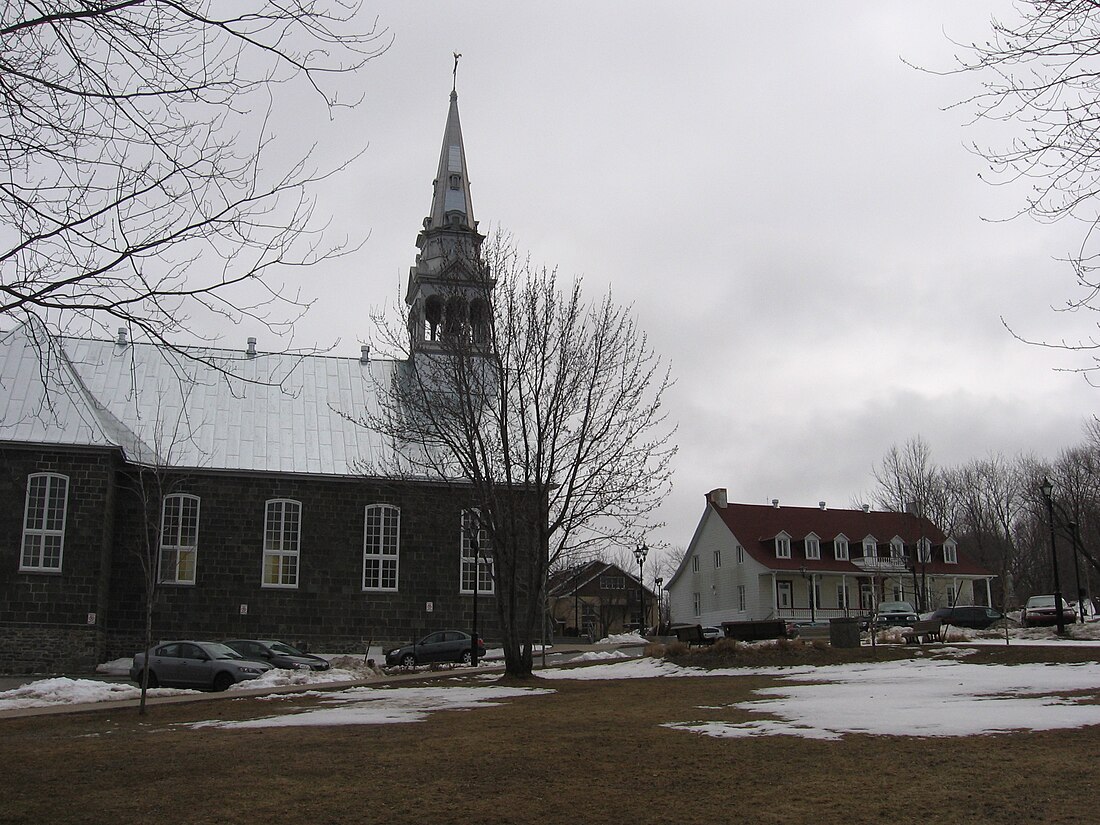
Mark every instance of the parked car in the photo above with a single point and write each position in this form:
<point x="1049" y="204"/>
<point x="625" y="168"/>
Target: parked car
<point x="277" y="654"/>
<point x="712" y="634"/>
<point x="974" y="616"/>
<point x="441" y="646"/>
<point x="895" y="614"/>
<point x="1040" y="610"/>
<point x="204" y="665"/>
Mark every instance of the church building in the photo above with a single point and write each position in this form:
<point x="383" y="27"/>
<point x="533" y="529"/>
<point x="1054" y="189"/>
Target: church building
<point x="244" y="481"/>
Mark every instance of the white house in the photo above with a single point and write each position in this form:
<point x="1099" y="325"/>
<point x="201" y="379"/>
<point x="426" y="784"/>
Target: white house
<point x="752" y="561"/>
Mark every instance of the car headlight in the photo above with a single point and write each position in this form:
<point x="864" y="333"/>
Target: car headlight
<point x="255" y="670"/>
<point x="301" y="667"/>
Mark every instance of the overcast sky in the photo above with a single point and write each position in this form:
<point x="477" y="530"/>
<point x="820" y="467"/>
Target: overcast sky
<point x="791" y="209"/>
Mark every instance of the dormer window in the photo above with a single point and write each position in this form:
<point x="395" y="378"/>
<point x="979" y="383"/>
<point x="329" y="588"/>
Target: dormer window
<point x="782" y="546"/>
<point x="897" y="548"/>
<point x="924" y="551"/>
<point x="950" y="552"/>
<point x="870" y="547"/>
<point x="813" y="547"/>
<point x="840" y="548"/>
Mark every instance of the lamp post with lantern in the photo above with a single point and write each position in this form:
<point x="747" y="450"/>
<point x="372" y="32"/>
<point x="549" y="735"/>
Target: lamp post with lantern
<point x="658" y="583"/>
<point x="1047" y="488"/>
<point x="640" y="553"/>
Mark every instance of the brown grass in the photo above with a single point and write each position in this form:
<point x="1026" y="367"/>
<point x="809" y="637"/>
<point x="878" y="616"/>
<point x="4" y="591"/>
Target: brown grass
<point x="589" y="752"/>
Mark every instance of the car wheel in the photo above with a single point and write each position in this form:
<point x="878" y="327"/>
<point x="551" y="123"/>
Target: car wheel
<point x="153" y="683"/>
<point x="408" y="660"/>
<point x="223" y="681"/>
<point x="467" y="657"/>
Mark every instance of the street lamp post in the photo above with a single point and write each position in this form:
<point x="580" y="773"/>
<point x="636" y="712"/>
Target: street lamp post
<point x="640" y="552"/>
<point x="1047" y="489"/>
<point x="658" y="583"/>
<point x="810" y="590"/>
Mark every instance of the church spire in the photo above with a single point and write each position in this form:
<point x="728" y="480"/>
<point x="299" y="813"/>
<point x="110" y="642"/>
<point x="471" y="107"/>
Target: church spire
<point x="451" y="202"/>
<point x="450" y="289"/>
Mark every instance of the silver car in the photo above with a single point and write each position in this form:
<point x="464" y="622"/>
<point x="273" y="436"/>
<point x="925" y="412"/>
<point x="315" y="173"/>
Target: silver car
<point x="201" y="665"/>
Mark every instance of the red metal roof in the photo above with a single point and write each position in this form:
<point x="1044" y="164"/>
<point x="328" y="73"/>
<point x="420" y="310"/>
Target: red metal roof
<point x="757" y="525"/>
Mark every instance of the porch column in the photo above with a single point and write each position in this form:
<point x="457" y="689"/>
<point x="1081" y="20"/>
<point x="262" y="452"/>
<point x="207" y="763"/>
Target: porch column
<point x="988" y="595"/>
<point x="844" y="590"/>
<point x="775" y="596"/>
<point x="955" y="589"/>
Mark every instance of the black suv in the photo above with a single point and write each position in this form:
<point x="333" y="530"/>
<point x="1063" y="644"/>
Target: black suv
<point x="970" y="615"/>
<point x="277" y="654"/>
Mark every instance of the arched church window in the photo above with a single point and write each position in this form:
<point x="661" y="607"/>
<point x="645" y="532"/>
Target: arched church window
<point x="433" y="314"/>
<point x="479" y="320"/>
<point x="456" y="181"/>
<point x="455" y="322"/>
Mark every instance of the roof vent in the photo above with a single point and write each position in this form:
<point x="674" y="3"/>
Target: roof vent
<point x="821" y="505"/>
<point x="121" y="340"/>
<point x="364" y="354"/>
<point x="867" y="508"/>
<point x="251" y="351"/>
<point x="717" y="497"/>
<point x="775" y="503"/>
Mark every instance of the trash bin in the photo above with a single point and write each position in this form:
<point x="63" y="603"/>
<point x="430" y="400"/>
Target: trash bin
<point x="844" y="632"/>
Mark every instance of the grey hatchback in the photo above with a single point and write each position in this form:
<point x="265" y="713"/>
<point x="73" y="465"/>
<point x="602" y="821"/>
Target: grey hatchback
<point x="203" y="665"/>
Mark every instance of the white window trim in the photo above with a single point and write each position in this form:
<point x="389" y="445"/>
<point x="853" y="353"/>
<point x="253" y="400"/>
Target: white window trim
<point x="697" y="603"/>
<point x="43" y="533"/>
<point x="840" y="549"/>
<point x="897" y="548"/>
<point x="924" y="551"/>
<point x="281" y="552"/>
<point x="813" y="546"/>
<point x="741" y="598"/>
<point x="178" y="548"/>
<point x="466" y="557"/>
<point x="695" y="564"/>
<point x="717" y="559"/>
<point x="782" y="546"/>
<point x="843" y="596"/>
<point x="950" y="552"/>
<point x="740" y="554"/>
<point x="379" y="552"/>
<point x="870" y="544"/>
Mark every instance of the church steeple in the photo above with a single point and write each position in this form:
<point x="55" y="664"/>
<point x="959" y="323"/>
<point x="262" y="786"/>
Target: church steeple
<point x="449" y="286"/>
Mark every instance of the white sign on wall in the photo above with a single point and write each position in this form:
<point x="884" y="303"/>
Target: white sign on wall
<point x="429" y="607"/>
<point x="244" y="609"/>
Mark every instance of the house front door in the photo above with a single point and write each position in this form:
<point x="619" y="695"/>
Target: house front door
<point x="783" y="594"/>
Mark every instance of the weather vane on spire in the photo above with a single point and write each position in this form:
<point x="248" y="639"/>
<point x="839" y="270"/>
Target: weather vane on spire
<point x="454" y="73"/>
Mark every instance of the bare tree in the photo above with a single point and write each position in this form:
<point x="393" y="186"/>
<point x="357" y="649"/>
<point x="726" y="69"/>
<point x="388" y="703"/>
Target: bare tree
<point x="1040" y="71"/>
<point x="139" y="178"/>
<point x="549" y="408"/>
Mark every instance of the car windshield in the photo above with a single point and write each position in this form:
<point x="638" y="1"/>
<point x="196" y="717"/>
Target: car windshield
<point x="895" y="607"/>
<point x="284" y="648"/>
<point x="1041" y="601"/>
<point x="220" y="651"/>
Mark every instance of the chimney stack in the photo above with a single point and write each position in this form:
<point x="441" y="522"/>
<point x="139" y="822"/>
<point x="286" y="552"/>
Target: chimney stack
<point x="821" y="505"/>
<point x="717" y="497"/>
<point x="121" y="340"/>
<point x="251" y="351"/>
<point x="364" y="354"/>
<point x="775" y="503"/>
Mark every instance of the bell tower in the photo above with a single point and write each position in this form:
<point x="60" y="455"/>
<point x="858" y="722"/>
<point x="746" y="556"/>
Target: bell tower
<point x="450" y="289"/>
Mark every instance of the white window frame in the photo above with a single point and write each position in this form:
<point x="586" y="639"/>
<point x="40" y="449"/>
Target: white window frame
<point x="952" y="596"/>
<point x="44" y="515"/>
<point x="741" y="598"/>
<point x="813" y="547"/>
<point x="870" y="547"/>
<point x="695" y="564"/>
<point x="381" y="548"/>
<point x="282" y="542"/>
<point x="782" y="546"/>
<point x="843" y="596"/>
<point x="924" y="551"/>
<point x="697" y="603"/>
<point x="740" y="554"/>
<point x="717" y="559"/>
<point x="180" y="553"/>
<point x="486" y="580"/>
<point x="950" y="552"/>
<point x="897" y="548"/>
<point x="840" y="548"/>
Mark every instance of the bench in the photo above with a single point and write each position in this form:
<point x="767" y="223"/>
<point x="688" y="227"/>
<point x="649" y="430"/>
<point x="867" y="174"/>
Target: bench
<point x="691" y="634"/>
<point x="926" y="630"/>
<point x="753" y="631"/>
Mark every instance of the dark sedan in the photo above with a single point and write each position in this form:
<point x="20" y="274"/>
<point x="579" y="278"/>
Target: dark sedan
<point x="970" y="615"/>
<point x="441" y="646"/>
<point x="1040" y="610"/>
<point x="203" y="665"/>
<point x="277" y="654"/>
